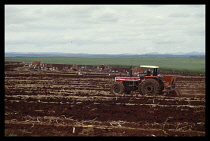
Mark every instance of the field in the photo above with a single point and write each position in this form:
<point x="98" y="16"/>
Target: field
<point x="191" y="65"/>
<point x="66" y="103"/>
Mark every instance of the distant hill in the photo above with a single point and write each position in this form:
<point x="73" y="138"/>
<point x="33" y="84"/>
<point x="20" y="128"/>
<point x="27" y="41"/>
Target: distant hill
<point x="148" y="55"/>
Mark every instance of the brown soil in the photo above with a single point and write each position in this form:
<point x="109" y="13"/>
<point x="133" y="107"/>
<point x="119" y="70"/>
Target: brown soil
<point x="64" y="103"/>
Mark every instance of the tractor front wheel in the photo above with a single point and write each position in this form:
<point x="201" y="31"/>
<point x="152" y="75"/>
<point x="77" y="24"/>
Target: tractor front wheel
<point x="117" y="88"/>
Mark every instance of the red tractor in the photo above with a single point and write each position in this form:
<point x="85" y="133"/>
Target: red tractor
<point x="149" y="84"/>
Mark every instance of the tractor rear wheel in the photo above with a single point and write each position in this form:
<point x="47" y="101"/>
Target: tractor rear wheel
<point x="117" y="88"/>
<point x="150" y="87"/>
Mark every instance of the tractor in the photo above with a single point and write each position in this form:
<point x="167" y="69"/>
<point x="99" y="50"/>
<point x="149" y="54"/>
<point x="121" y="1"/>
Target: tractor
<point x="149" y="84"/>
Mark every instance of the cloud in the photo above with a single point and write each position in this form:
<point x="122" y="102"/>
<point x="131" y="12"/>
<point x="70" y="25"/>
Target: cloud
<point x="181" y="15"/>
<point x="104" y="28"/>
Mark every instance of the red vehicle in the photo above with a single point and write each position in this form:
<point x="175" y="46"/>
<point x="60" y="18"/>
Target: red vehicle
<point x="150" y="84"/>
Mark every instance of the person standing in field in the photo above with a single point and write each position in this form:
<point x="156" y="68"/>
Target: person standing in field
<point x="148" y="73"/>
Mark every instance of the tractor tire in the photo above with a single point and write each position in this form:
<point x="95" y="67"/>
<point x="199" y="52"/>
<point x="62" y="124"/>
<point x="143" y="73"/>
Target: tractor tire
<point x="117" y="88"/>
<point x="150" y="87"/>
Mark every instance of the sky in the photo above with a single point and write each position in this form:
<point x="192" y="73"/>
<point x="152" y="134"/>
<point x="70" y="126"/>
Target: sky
<point x="105" y="29"/>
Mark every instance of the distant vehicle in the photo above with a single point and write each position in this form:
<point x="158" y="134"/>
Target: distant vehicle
<point x="102" y="66"/>
<point x="36" y="64"/>
<point x="74" y="67"/>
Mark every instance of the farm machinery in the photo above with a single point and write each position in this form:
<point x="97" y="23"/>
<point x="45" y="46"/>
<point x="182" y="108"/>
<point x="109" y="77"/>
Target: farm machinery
<point x="149" y="84"/>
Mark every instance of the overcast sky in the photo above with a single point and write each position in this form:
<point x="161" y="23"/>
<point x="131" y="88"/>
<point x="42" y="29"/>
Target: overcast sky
<point x="105" y="29"/>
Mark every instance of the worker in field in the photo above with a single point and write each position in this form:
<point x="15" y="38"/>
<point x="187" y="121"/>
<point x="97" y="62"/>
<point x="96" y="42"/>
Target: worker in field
<point x="148" y="73"/>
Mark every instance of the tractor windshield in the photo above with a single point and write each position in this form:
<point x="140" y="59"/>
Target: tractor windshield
<point x="150" y="72"/>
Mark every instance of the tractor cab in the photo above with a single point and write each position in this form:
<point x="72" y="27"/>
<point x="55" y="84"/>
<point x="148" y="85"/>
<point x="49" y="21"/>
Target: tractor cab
<point x="155" y="69"/>
<point x="150" y="73"/>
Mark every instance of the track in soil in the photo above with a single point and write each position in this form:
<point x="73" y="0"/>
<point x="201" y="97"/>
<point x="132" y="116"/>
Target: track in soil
<point x="44" y="103"/>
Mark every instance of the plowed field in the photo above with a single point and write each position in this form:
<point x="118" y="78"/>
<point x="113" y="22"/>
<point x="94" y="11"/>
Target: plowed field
<point x="65" y="103"/>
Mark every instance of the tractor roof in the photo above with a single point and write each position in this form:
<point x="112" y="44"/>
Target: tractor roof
<point x="146" y="66"/>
